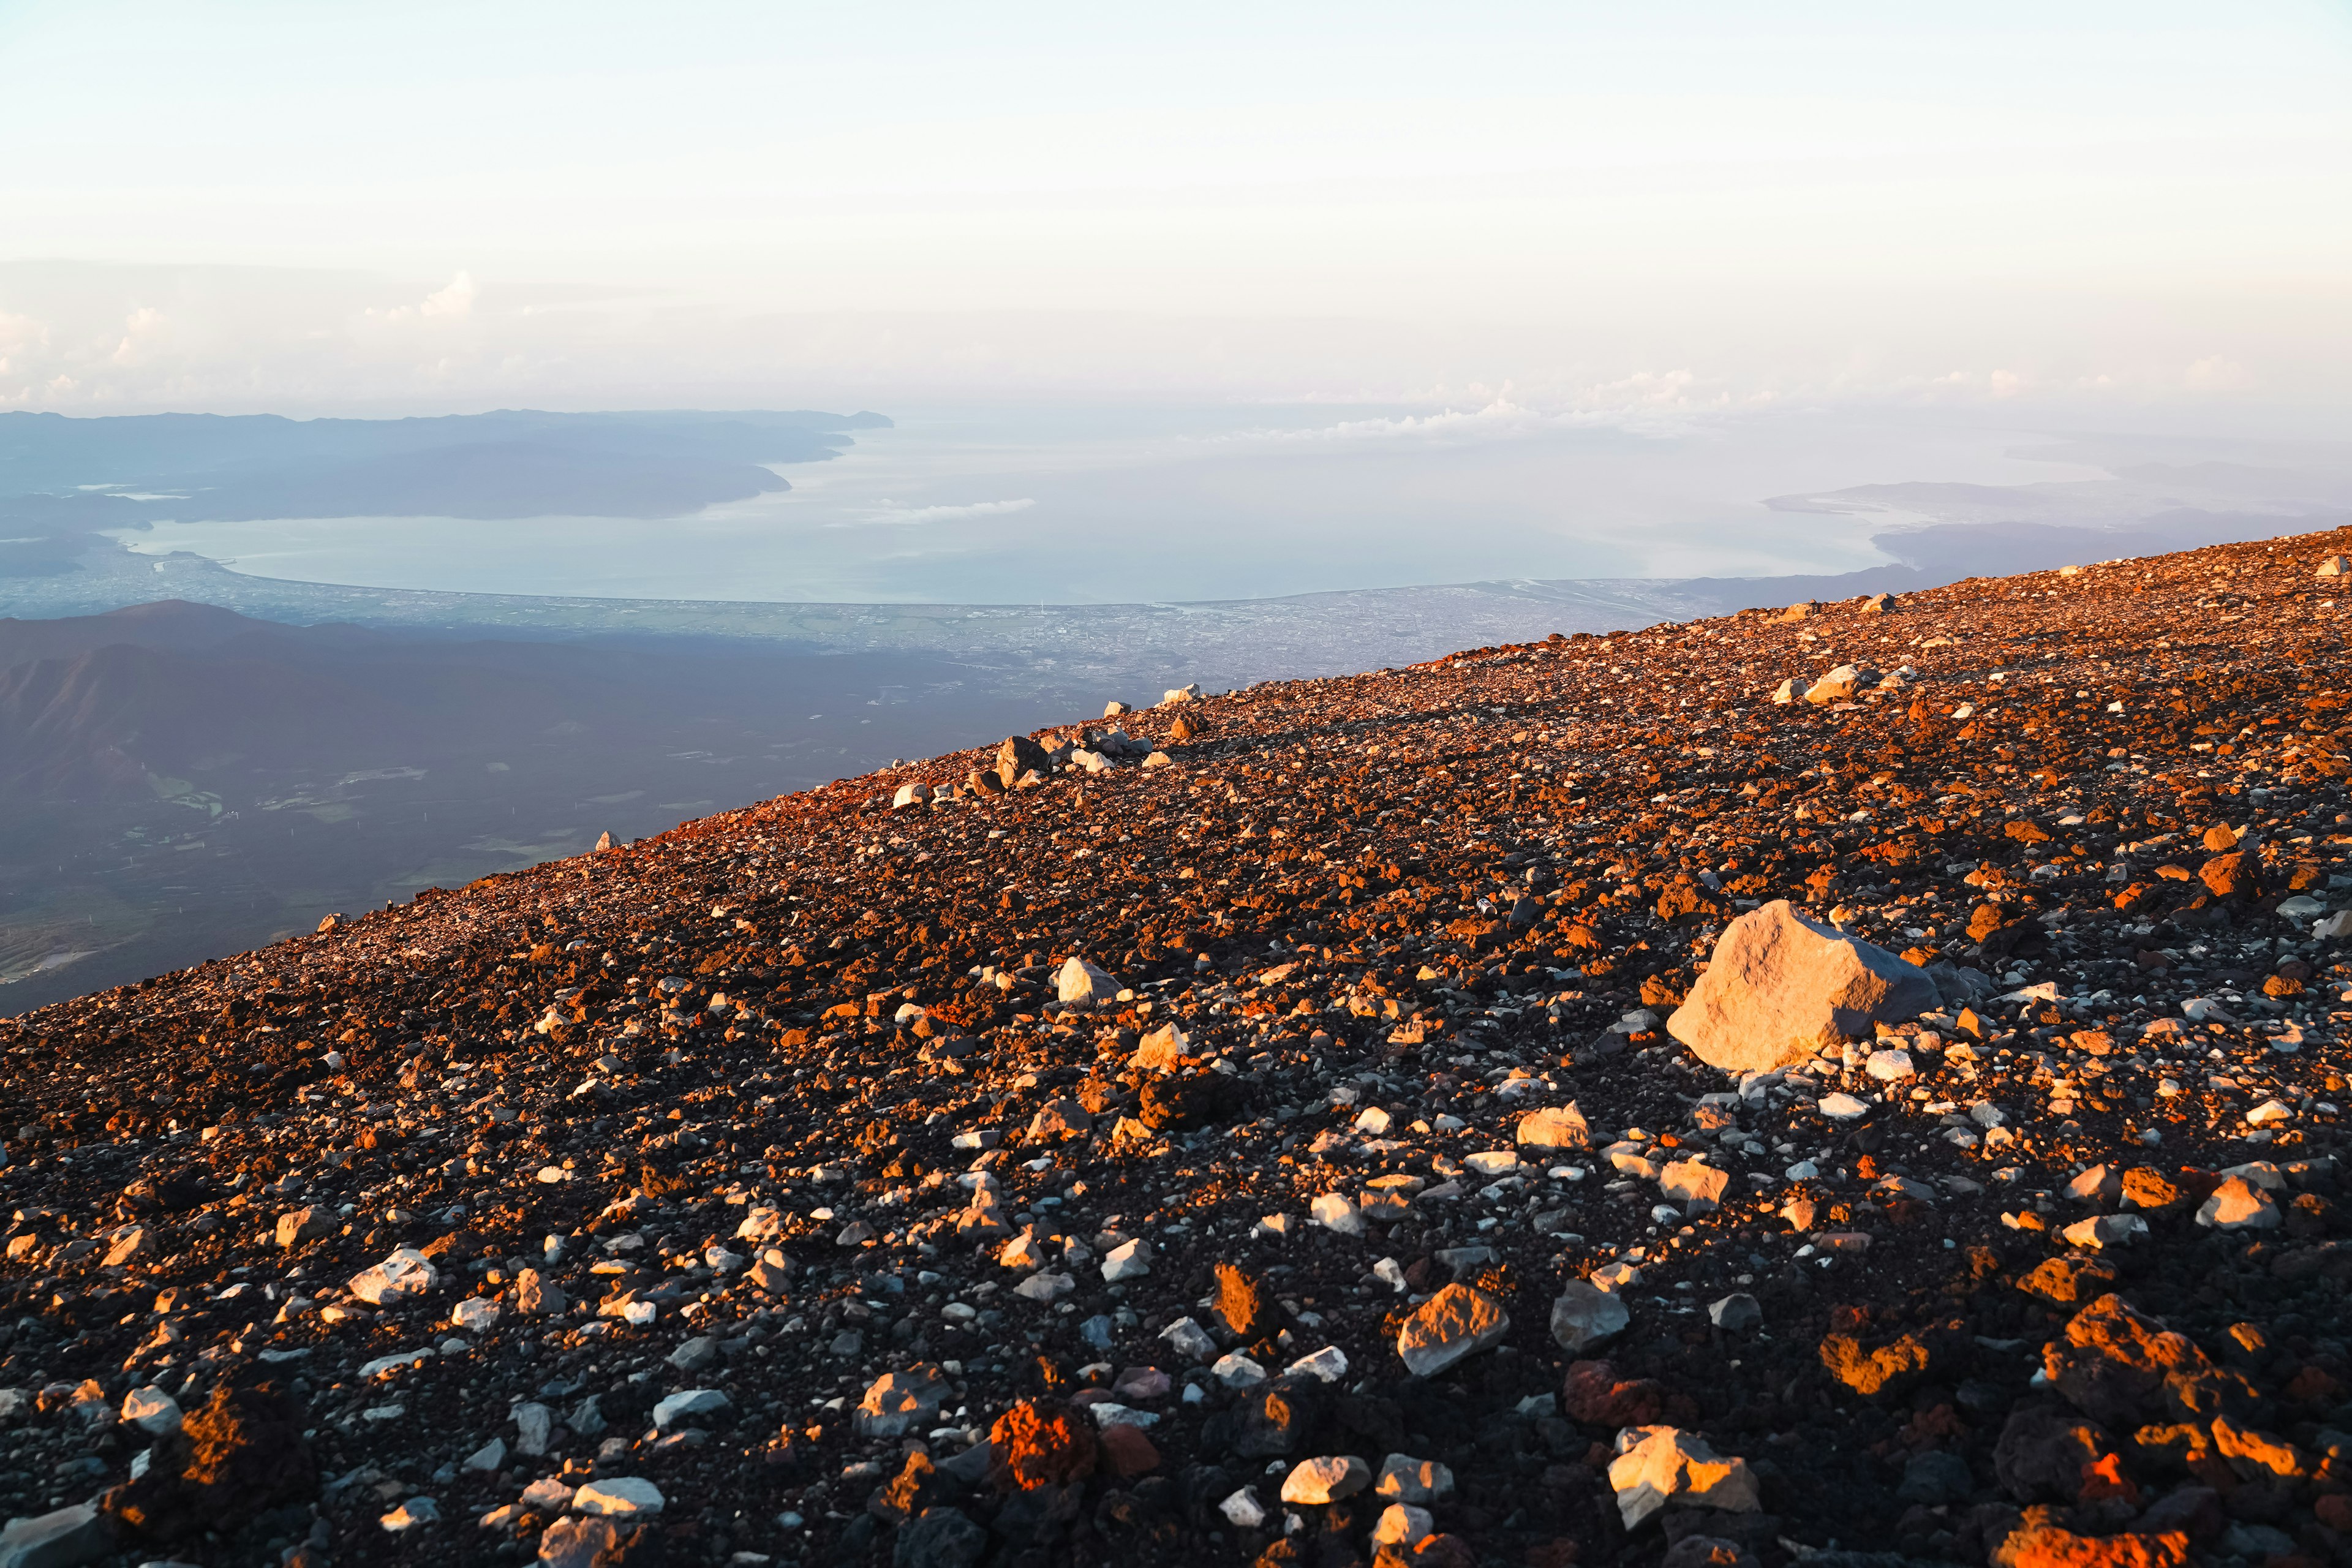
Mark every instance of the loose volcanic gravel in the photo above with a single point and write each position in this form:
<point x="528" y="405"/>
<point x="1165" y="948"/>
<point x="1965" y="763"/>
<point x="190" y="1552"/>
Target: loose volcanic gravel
<point x="1253" y="1135"/>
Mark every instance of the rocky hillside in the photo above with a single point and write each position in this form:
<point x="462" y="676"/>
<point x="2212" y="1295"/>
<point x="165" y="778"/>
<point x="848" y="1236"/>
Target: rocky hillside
<point x="1392" y="1117"/>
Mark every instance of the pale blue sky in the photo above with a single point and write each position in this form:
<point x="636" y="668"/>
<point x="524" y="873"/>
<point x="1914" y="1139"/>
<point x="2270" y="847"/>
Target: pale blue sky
<point x="1579" y="206"/>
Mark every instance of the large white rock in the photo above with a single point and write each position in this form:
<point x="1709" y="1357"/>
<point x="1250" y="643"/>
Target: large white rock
<point x="1657" y="1465"/>
<point x="1780" y="986"/>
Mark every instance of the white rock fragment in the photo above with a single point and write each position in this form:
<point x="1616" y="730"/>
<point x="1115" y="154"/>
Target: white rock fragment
<point x="673" y="1408"/>
<point x="1189" y="1339"/>
<point x="405" y="1274"/>
<point x="1585" y="1315"/>
<point x="1328" y="1364"/>
<point x="152" y="1410"/>
<point x="1329" y="1478"/>
<point x="620" y="1495"/>
<point x="1337" y="1212"/>
<point x="1129" y="1260"/>
<point x="2239" y="1204"/>
<point x="475" y="1313"/>
<point x="1657" y="1465"/>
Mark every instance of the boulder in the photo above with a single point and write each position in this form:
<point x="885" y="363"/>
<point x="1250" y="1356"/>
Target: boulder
<point x="1780" y="986"/>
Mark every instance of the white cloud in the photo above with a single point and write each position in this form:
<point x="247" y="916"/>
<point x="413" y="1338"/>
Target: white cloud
<point x="457" y="300"/>
<point x="894" y="516"/>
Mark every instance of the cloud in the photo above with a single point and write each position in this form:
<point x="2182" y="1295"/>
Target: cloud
<point x="452" y="302"/>
<point x="140" y="324"/>
<point x="899" y="516"/>
<point x="457" y="300"/>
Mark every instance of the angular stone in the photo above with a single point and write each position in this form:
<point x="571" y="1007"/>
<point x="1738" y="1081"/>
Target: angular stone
<point x="673" y="1408"/>
<point x="1130" y="1260"/>
<point x="299" y="1225"/>
<point x="2239" y="1204"/>
<point x="897" y="1402"/>
<point x="619" y="1495"/>
<point x="1658" y="1465"/>
<point x="1406" y="1479"/>
<point x="1780" y="986"/>
<point x="1554" y="1127"/>
<point x="1164" y="1049"/>
<point x="63" y="1539"/>
<point x="1337" y="1211"/>
<point x="1080" y="985"/>
<point x="1692" y="1182"/>
<point x="152" y="1410"/>
<point x="1735" y="1314"/>
<point x="1332" y="1478"/>
<point x="407" y="1273"/>
<point x="1454" y="1323"/>
<point x="1585" y="1315"/>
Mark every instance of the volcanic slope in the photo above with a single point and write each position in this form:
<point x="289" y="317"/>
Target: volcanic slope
<point x="778" y="1186"/>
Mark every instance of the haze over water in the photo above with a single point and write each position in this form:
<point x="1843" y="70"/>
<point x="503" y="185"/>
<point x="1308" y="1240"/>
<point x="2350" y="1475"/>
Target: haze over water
<point x="1029" y="504"/>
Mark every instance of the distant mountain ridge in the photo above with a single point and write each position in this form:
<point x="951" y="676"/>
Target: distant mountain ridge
<point x="507" y="463"/>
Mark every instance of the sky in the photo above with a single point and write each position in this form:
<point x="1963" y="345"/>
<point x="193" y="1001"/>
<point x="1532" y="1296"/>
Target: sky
<point x="2139" y="212"/>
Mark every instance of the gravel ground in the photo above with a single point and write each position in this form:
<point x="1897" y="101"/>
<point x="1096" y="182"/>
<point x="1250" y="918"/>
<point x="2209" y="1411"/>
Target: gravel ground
<point x="779" y="1189"/>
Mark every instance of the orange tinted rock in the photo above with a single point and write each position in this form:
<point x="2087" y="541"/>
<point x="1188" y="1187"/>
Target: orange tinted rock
<point x="1870" y="1371"/>
<point x="1042" y="1443"/>
<point x="2048" y="1547"/>
<point x="1243" y="1305"/>
<point x="2114" y="1361"/>
<point x="2066" y="1280"/>
<point x="2229" y="876"/>
<point x="2145" y="1187"/>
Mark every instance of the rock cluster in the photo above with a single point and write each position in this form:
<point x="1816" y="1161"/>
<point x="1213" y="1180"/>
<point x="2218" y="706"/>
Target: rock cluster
<point x="1239" y="1137"/>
